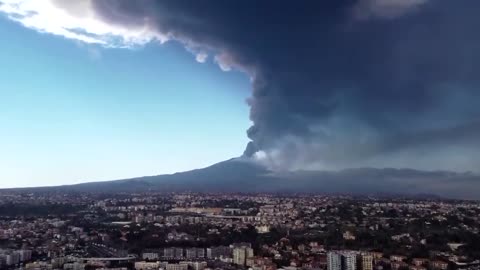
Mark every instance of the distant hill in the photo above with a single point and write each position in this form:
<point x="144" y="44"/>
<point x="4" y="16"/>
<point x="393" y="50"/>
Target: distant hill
<point x="242" y="175"/>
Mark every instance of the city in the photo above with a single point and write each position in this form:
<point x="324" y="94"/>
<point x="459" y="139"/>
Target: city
<point x="236" y="231"/>
<point x="239" y="135"/>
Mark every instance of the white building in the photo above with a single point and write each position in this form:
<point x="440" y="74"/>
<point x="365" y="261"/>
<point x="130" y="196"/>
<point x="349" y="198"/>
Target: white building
<point x="334" y="261"/>
<point x="191" y="253"/>
<point x="168" y="253"/>
<point x="151" y="256"/>
<point x="25" y="255"/>
<point x="147" y="265"/>
<point x="74" y="266"/>
<point x="12" y="258"/>
<point x="174" y="266"/>
<point x="198" y="265"/>
<point x="200" y="253"/>
<point x="39" y="266"/>
<point x="240" y="255"/>
<point x="342" y="260"/>
<point x="263" y="229"/>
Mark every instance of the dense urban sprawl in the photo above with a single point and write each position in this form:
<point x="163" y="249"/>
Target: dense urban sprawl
<point x="236" y="231"/>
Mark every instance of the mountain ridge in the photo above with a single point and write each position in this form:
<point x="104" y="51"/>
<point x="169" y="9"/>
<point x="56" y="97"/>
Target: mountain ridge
<point x="240" y="175"/>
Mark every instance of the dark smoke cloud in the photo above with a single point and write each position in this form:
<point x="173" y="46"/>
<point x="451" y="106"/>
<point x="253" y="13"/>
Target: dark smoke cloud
<point x="340" y="83"/>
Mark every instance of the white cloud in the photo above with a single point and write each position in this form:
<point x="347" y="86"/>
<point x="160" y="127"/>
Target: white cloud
<point x="224" y="61"/>
<point x="201" y="57"/>
<point x="76" y="20"/>
<point x="388" y="9"/>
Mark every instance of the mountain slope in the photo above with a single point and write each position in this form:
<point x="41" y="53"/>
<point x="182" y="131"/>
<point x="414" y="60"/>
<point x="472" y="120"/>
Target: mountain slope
<point x="240" y="175"/>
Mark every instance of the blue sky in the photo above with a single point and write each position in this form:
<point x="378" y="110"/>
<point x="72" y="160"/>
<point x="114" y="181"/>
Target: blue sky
<point x="94" y="90"/>
<point x="72" y="112"/>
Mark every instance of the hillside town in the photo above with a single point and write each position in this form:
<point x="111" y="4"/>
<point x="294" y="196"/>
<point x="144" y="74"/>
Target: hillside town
<point x="181" y="231"/>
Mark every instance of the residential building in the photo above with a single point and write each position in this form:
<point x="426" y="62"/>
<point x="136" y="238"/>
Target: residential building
<point x="334" y="261"/>
<point x="349" y="261"/>
<point x="366" y="261"/>
<point x="240" y="255"/>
